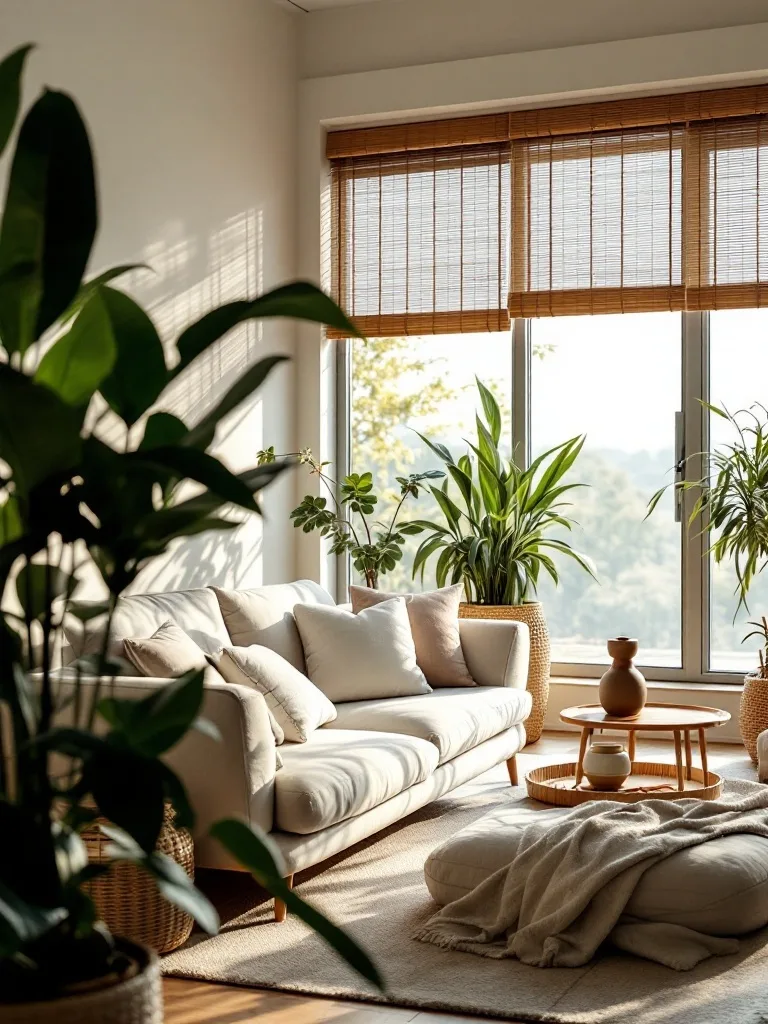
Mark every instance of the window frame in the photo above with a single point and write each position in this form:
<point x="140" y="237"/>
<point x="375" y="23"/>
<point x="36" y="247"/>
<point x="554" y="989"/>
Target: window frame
<point x="695" y="567"/>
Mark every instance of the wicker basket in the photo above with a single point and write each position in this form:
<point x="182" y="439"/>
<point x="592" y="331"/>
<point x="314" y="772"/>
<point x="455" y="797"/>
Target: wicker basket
<point x="753" y="712"/>
<point x="128" y="899"/>
<point x="138" y="1000"/>
<point x="532" y="614"/>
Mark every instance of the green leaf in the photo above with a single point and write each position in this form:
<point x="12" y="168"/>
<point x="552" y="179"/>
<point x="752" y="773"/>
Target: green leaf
<point x="491" y="410"/>
<point x="36" y="585"/>
<point x="299" y="301"/>
<point x="10" y="91"/>
<point x="22" y="922"/>
<point x="161" y="429"/>
<point x="253" y="378"/>
<point x="156" y="723"/>
<point x="139" y="373"/>
<point x="193" y="464"/>
<point x="49" y="220"/>
<point x="89" y="288"/>
<point x="78" y="362"/>
<point x="253" y="852"/>
<point x="128" y="789"/>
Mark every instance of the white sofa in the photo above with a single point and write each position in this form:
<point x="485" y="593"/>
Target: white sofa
<point x="378" y="761"/>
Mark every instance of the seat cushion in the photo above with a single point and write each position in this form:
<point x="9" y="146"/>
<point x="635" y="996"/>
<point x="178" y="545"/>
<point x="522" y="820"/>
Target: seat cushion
<point x="336" y="775"/>
<point x="719" y="887"/>
<point x="140" y="615"/>
<point x="264" y="615"/>
<point x="453" y="719"/>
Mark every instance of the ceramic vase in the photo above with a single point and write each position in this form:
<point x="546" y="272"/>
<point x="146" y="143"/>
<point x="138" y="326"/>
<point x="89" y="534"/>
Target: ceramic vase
<point x="607" y="765"/>
<point x="622" y="688"/>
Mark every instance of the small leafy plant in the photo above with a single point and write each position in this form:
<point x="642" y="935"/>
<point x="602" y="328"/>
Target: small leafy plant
<point x="761" y="630"/>
<point x="348" y="520"/>
<point x="73" y="352"/>
<point x="497" y="539"/>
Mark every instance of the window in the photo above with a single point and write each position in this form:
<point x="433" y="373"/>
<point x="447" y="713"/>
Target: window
<point x="488" y="246"/>
<point x="616" y="379"/>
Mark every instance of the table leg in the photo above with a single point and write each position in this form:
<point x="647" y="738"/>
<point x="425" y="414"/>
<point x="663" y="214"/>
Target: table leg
<point x="703" y="752"/>
<point x="585" y="735"/>
<point x="688" y="755"/>
<point x="679" y="759"/>
<point x="631" y="744"/>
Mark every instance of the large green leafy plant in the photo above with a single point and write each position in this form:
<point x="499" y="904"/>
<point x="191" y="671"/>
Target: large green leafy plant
<point x="348" y="521"/>
<point x="497" y="538"/>
<point x="71" y="352"/>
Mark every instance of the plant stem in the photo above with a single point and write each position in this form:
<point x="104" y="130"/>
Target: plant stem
<point x="102" y="662"/>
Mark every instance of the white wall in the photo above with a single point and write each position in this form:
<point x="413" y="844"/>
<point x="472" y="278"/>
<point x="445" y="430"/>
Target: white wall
<point x="398" y="33"/>
<point x="192" y="110"/>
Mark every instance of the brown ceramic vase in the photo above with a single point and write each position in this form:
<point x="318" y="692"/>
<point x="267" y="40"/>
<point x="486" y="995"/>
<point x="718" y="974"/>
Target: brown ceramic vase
<point x="623" y="692"/>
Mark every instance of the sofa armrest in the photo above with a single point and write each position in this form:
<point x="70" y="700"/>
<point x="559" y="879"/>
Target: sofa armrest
<point x="497" y="653"/>
<point x="231" y="777"/>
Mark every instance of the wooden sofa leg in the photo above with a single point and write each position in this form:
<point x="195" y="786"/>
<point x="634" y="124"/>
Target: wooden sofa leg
<point x="512" y="769"/>
<point x="280" y="908"/>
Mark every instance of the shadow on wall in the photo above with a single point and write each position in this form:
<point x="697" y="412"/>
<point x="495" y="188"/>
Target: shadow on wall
<point x="232" y="265"/>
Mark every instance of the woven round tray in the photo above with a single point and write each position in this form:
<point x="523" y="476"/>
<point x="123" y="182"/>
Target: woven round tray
<point x="555" y="784"/>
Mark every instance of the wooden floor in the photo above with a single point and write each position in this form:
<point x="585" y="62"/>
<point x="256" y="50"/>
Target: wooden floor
<point x="193" y="1002"/>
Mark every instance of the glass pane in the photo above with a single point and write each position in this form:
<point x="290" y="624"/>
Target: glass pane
<point x="738" y="366"/>
<point x="403" y="385"/>
<point x="616" y="379"/>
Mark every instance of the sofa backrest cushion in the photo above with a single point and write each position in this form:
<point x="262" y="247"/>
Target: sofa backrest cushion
<point x="264" y="615"/>
<point x="194" y="611"/>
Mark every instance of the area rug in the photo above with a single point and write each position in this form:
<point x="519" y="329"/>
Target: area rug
<point x="376" y="891"/>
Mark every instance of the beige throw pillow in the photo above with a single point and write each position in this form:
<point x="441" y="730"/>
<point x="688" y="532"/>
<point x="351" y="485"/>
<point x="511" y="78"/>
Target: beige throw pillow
<point x="295" y="703"/>
<point x="168" y="653"/>
<point x="360" y="657"/>
<point x="434" y="619"/>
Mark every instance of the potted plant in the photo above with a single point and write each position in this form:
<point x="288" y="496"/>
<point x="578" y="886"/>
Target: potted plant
<point x="497" y="538"/>
<point x="733" y="504"/>
<point x="348" y="522"/>
<point x="73" y="352"/>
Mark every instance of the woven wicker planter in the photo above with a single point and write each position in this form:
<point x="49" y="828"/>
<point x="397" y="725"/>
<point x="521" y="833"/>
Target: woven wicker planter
<point x="532" y="614"/>
<point x="127" y="898"/>
<point x="753" y="712"/>
<point x="138" y="1000"/>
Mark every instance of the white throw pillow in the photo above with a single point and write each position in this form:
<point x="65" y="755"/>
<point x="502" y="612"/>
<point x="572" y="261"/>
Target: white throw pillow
<point x="296" y="704"/>
<point x="363" y="656"/>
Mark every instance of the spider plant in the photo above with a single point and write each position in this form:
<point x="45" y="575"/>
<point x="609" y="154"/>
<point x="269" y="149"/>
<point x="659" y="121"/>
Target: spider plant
<point x="498" y="536"/>
<point x="733" y="503"/>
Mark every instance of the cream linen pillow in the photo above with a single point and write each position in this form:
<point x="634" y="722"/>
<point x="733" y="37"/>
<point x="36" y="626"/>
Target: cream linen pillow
<point x="295" y="703"/>
<point x="360" y="657"/>
<point x="168" y="653"/>
<point x="434" y="619"/>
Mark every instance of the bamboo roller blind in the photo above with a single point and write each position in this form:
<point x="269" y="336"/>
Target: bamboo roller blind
<point x="624" y="206"/>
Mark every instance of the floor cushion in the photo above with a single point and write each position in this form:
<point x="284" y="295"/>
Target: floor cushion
<point x="719" y="887"/>
<point x="337" y="775"/>
<point x="454" y="719"/>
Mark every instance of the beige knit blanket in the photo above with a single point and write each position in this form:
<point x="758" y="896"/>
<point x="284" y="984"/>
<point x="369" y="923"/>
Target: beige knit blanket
<point x="565" y="890"/>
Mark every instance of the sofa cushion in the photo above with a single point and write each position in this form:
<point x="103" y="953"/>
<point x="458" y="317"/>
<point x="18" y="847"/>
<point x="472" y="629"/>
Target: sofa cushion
<point x="337" y="775"/>
<point x="167" y="654"/>
<point x="365" y="656"/>
<point x="719" y="887"/>
<point x="454" y="719"/>
<point x="194" y="611"/>
<point x="434" y="618"/>
<point x="264" y="615"/>
<point x="298" y="706"/>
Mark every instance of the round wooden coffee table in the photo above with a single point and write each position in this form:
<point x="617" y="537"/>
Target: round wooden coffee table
<point x="679" y="719"/>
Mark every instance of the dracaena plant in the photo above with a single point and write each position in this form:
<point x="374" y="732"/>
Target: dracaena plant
<point x="499" y="535"/>
<point x="72" y="351"/>
<point x="348" y="522"/>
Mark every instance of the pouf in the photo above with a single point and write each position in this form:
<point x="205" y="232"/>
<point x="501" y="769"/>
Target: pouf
<point x="719" y="887"/>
